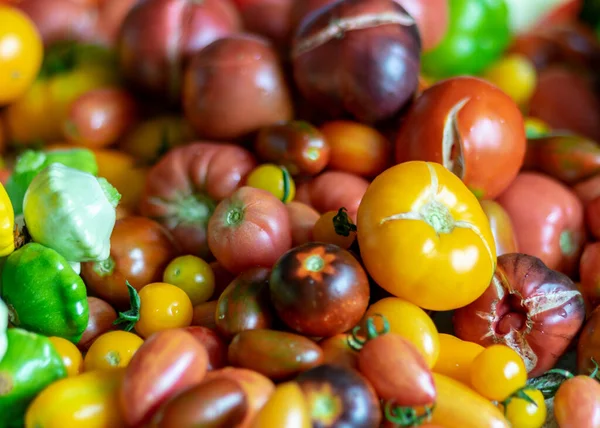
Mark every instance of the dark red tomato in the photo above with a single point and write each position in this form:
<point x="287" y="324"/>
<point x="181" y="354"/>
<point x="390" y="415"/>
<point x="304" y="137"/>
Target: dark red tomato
<point x="319" y="289"/>
<point x="588" y="347"/>
<point x="245" y="304"/>
<point x="218" y="402"/>
<point x="102" y="316"/>
<point x="215" y="346"/>
<point x="183" y="189"/>
<point x="167" y="362"/>
<point x="472" y="128"/>
<point x="140" y="250"/>
<point x="502" y="228"/>
<point x="276" y="354"/>
<point x="547" y="218"/>
<point x="270" y="18"/>
<point x="204" y="315"/>
<point x="249" y="228"/>
<point x="337" y="350"/>
<point x="338" y="396"/>
<point x="589" y="273"/>
<point x="222" y="278"/>
<point x="592" y="217"/>
<point x="577" y="403"/>
<point x="302" y="221"/>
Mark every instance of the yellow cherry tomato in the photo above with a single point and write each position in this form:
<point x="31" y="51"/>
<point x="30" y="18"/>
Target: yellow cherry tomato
<point x="112" y="350"/>
<point x="497" y="372"/>
<point x="516" y="75"/>
<point x="90" y="400"/>
<point x="324" y="231"/>
<point x="71" y="356"/>
<point x="21" y="52"/>
<point x="410" y="322"/>
<point x="523" y="414"/>
<point x="163" y="306"/>
<point x="424" y="237"/>
<point x="455" y="358"/>
<point x="193" y="275"/>
<point x="286" y="408"/>
<point x="7" y="224"/>
<point x="274" y="179"/>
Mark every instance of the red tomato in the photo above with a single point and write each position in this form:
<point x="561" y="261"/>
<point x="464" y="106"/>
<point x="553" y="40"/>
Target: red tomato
<point x="588" y="190"/>
<point x="337" y="350"/>
<point x="592" y="217"/>
<point x="215" y="346"/>
<point x="577" y="403"/>
<point x="101" y="319"/>
<point x="589" y="272"/>
<point x="302" y="221"/>
<point x="588" y="347"/>
<point x="270" y="18"/>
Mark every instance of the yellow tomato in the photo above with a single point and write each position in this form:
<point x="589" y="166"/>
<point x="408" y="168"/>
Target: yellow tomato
<point x="21" y="52"/>
<point x="410" y="322"/>
<point x="90" y="400"/>
<point x="286" y="408"/>
<point x="516" y="75"/>
<point x="112" y="350"/>
<point x="70" y="355"/>
<point x="121" y="170"/>
<point x="273" y="179"/>
<point x="425" y="238"/>
<point x="455" y="358"/>
<point x="193" y="275"/>
<point x="324" y="231"/>
<point x="523" y="414"/>
<point x="7" y="224"/>
<point x="163" y="306"/>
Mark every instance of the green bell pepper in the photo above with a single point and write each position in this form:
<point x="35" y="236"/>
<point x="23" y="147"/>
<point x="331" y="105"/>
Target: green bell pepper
<point x="31" y="162"/>
<point x="478" y="33"/>
<point x="3" y="327"/>
<point x="44" y="294"/>
<point x="30" y="365"/>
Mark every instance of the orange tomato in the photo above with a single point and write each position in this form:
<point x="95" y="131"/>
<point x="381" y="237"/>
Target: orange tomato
<point x="70" y="355"/>
<point x="111" y="350"/>
<point x="456" y="357"/>
<point x="163" y="306"/>
<point x="425" y="238"/>
<point x="286" y="408"/>
<point x="324" y="231"/>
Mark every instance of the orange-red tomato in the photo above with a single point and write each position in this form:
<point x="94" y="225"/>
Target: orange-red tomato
<point x="325" y="231"/>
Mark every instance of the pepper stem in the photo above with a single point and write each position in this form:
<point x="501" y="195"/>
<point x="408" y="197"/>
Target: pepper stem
<point x="111" y="193"/>
<point x="129" y="318"/>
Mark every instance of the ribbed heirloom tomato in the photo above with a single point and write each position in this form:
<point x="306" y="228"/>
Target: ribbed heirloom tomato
<point x="424" y="236"/>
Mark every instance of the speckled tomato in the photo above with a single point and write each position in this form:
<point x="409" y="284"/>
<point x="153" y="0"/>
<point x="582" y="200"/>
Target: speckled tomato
<point x="577" y="403"/>
<point x="319" y="289"/>
<point x="502" y="228"/>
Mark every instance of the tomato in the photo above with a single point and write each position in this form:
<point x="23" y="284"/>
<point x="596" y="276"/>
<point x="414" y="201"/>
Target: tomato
<point x="245" y="304"/>
<point x="502" y="228"/>
<point x="112" y="350"/>
<point x="337" y="350"/>
<point x="419" y="226"/>
<point x="319" y="289"/>
<point x="21" y="58"/>
<point x="249" y="228"/>
<point x="215" y="346"/>
<point x="589" y="271"/>
<point x="497" y="372"/>
<point x="523" y="414"/>
<point x="325" y="231"/>
<point x="90" y="400"/>
<point x="140" y="249"/>
<point x="204" y="314"/>
<point x="286" y="408"/>
<point x="516" y="75"/>
<point x="588" y="345"/>
<point x="168" y="362"/>
<point x="274" y="179"/>
<point x="163" y="307"/>
<point x="456" y="357"/>
<point x="550" y="225"/>
<point x="588" y="190"/>
<point x="458" y="406"/>
<point x="577" y="403"/>
<point x="592" y="217"/>
<point x="193" y="275"/>
<point x="101" y="319"/>
<point x="71" y="356"/>
<point x="302" y="221"/>
<point x="432" y="18"/>
<point x="357" y="148"/>
<point x="411" y="322"/>
<point x="222" y="278"/>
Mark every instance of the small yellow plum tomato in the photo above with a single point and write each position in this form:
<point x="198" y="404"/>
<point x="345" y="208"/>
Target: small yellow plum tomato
<point x="193" y="275"/>
<point x="274" y="179"/>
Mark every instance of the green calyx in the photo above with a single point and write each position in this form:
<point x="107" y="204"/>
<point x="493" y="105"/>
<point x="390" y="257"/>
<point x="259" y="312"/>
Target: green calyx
<point x="128" y="319"/>
<point x="356" y="340"/>
<point x="234" y="216"/>
<point x="342" y="224"/>
<point x="195" y="209"/>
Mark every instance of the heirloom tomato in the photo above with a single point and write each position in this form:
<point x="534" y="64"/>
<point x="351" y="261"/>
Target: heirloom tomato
<point x="112" y="350"/>
<point x="425" y="238"/>
<point x="287" y="408"/>
<point x="456" y="357"/>
<point x="204" y="314"/>
<point x="214" y="344"/>
<point x="588" y="345"/>
<point x="589" y="272"/>
<point x="502" y="228"/>
<point x="327" y="230"/>
<point x="577" y="403"/>
<point x="337" y="350"/>
<point x="274" y="179"/>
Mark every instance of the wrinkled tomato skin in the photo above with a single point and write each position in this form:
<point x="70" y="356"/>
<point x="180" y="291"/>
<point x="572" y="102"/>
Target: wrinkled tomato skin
<point x="101" y="319"/>
<point x="250" y="228"/>
<point x="588" y="346"/>
<point x="577" y="403"/>
<point x="589" y="272"/>
<point x="502" y="228"/>
<point x="302" y="221"/>
<point x="548" y="220"/>
<point x="214" y="345"/>
<point x="337" y="350"/>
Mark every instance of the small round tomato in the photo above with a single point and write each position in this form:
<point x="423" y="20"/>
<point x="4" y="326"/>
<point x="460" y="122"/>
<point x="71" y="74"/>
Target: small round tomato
<point x="20" y="55"/>
<point x="419" y="226"/>
<point x="286" y="407"/>
<point x="193" y="275"/>
<point x="325" y="231"/>
<point x="337" y="350"/>
<point x="515" y="74"/>
<point x="162" y="307"/>
<point x="577" y="403"/>
<point x="456" y="357"/>
<point x="497" y="372"/>
<point x="102" y="317"/>
<point x="112" y="350"/>
<point x="71" y="356"/>
<point x="523" y="414"/>
<point x="274" y="179"/>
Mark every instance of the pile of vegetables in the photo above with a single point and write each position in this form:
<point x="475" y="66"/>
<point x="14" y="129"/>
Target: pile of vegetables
<point x="300" y="213"/>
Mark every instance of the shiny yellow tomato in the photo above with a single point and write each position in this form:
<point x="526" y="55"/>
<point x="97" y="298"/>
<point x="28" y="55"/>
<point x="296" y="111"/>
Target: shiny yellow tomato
<point x="516" y="75"/>
<point x="523" y="414"/>
<point x="425" y="238"/>
<point x="497" y="372"/>
<point x="193" y="275"/>
<point x="286" y="408"/>
<point x="410" y="322"/>
<point x="163" y="306"/>
<point x="112" y="350"/>
<point x="90" y="400"/>
<point x="455" y="358"/>
<point x="71" y="356"/>
<point x="274" y="179"/>
<point x="21" y="52"/>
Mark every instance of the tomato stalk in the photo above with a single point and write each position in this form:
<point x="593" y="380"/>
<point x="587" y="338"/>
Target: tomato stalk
<point x="356" y="342"/>
<point x="406" y="416"/>
<point x="286" y="184"/>
<point x="342" y="223"/>
<point x="521" y="395"/>
<point x="129" y="318"/>
<point x="549" y="382"/>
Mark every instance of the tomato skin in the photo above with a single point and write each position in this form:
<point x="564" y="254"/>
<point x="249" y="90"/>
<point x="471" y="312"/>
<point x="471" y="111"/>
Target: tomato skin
<point x="588" y="190"/>
<point x="336" y="350"/>
<point x="592" y="217"/>
<point x="169" y="361"/>
<point x="71" y="356"/>
<point x="522" y="414"/>
<point x="222" y="278"/>
<point x="274" y="179"/>
<point x="502" y="228"/>
<point x="112" y="350"/>
<point x="405" y="256"/>
<point x="90" y="400"/>
<point x="250" y="228"/>
<point x="215" y="346"/>
<point x="577" y="403"/>
<point x="324" y="231"/>
<point x="588" y="346"/>
<point x="302" y="221"/>
<point x="102" y="316"/>
<point x="285" y="408"/>
<point x="204" y="314"/>
<point x="589" y="271"/>
<point x="193" y="275"/>
<point x="550" y="225"/>
<point x="456" y="357"/>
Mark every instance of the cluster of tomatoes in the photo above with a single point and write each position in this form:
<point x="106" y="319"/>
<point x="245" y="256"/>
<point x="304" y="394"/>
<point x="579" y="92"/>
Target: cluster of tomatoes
<point x="307" y="188"/>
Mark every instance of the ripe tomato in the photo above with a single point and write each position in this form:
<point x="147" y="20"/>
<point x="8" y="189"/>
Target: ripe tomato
<point x="456" y="357"/>
<point x="274" y="179"/>
<point x="577" y="403"/>
<point x="588" y="346"/>
<point x="337" y="350"/>
<point x="523" y="414"/>
<point x="515" y="74"/>
<point x="502" y="228"/>
<point x="21" y="55"/>
<point x="302" y="221"/>
<point x="193" y="275"/>
<point x="204" y="314"/>
<point x="112" y="350"/>
<point x="214" y="344"/>
<point x="419" y="226"/>
<point x="162" y="307"/>
<point x="102" y="316"/>
<point x="286" y="407"/>
<point x="589" y="271"/>
<point x="497" y="372"/>
<point x="325" y="231"/>
<point x="71" y="356"/>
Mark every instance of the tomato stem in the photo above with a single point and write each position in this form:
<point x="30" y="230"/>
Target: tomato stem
<point x="129" y="318"/>
<point x="286" y="184"/>
<point x="406" y="416"/>
<point x="519" y="394"/>
<point x="594" y="374"/>
<point x="342" y="224"/>
<point x="356" y="341"/>
<point x="438" y="216"/>
<point x="549" y="382"/>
